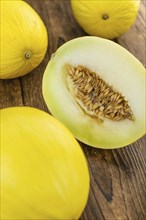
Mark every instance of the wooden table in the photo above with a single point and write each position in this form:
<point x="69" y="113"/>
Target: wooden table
<point x="117" y="176"/>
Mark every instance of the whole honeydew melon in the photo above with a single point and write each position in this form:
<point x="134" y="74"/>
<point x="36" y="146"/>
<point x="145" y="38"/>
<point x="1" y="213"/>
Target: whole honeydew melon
<point x="44" y="174"/>
<point x="23" y="38"/>
<point x="105" y="18"/>
<point x="97" y="89"/>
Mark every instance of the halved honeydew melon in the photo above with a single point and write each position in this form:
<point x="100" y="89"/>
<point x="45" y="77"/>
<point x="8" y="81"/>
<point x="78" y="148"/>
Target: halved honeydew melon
<point x="118" y="69"/>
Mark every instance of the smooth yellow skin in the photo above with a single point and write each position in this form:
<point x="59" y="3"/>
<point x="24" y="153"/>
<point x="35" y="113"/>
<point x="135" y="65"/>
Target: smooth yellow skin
<point x="23" y="39"/>
<point x="119" y="69"/>
<point x="44" y="174"/>
<point x="121" y="15"/>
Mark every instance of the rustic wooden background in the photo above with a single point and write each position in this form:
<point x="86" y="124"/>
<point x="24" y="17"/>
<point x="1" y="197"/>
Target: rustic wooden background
<point x="117" y="176"/>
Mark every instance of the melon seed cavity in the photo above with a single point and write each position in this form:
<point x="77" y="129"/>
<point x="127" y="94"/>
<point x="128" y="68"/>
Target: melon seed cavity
<point x="96" y="98"/>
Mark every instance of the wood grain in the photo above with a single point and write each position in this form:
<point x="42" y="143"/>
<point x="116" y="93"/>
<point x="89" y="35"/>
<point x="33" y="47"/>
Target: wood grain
<point x="117" y="189"/>
<point x="135" y="39"/>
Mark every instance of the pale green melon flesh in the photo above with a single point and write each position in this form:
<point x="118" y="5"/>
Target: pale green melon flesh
<point x="119" y="69"/>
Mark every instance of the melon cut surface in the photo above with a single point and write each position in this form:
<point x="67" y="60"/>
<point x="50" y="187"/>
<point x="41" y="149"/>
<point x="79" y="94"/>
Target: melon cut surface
<point x="118" y="68"/>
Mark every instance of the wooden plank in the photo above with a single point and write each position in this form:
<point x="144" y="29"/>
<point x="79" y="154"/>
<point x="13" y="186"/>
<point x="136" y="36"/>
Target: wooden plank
<point x="10" y="93"/>
<point x="135" y="39"/>
<point x="117" y="176"/>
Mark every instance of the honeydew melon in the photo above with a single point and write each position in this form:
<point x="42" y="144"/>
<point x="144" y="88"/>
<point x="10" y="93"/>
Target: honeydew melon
<point x="44" y="174"/>
<point x="119" y="69"/>
<point x="104" y="18"/>
<point x="23" y="39"/>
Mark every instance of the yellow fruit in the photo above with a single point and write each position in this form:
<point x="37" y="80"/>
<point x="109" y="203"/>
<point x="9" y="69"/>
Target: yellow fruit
<point x="97" y="89"/>
<point x="105" y="18"/>
<point x="44" y="173"/>
<point x="23" y="39"/>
